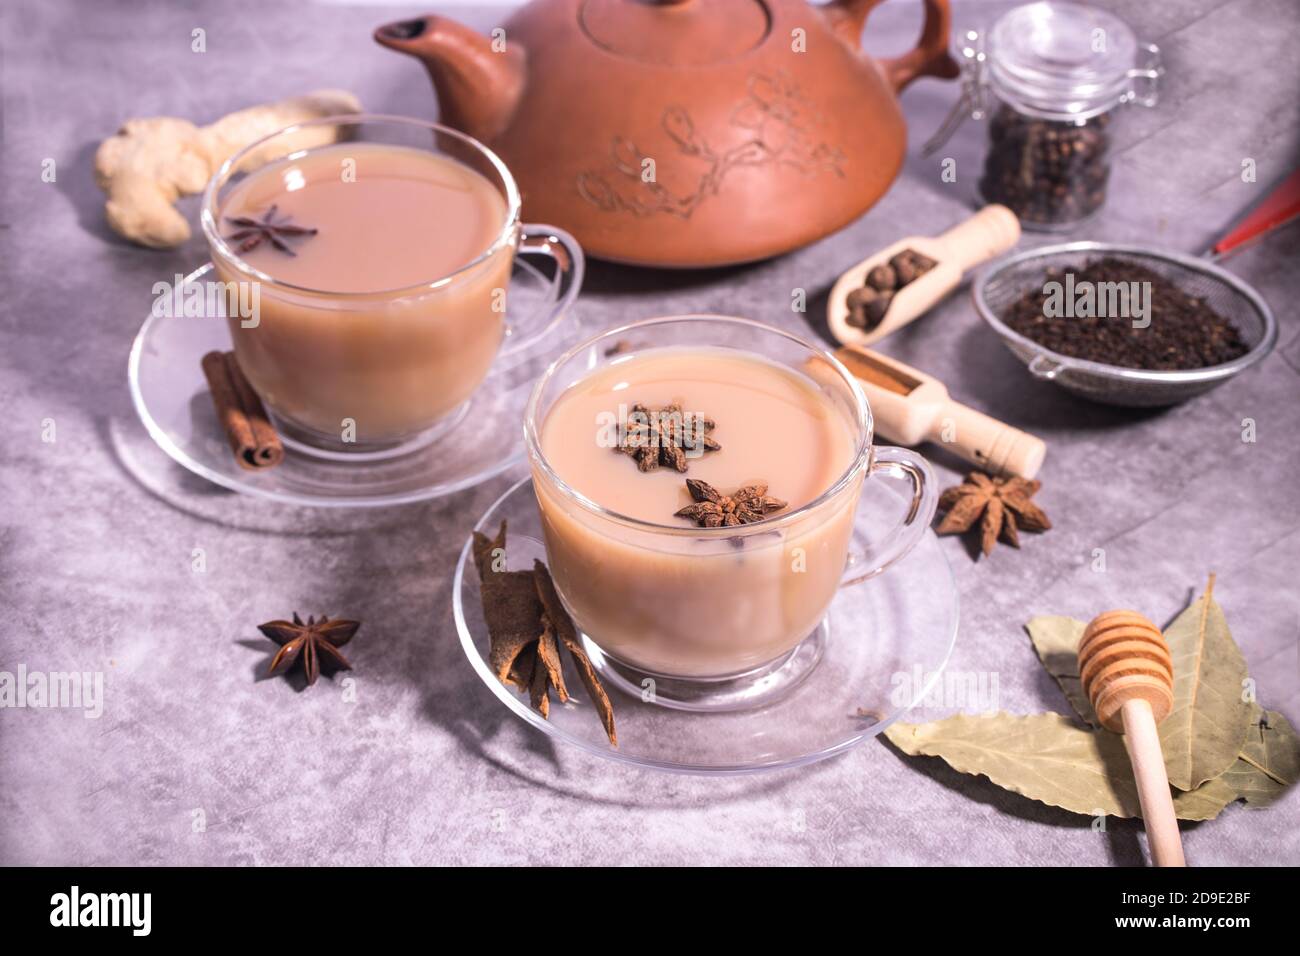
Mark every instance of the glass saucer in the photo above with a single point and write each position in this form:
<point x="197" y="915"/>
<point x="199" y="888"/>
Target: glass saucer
<point x="483" y="440"/>
<point x="883" y="645"/>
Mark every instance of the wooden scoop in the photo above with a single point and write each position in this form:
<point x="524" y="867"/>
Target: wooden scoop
<point x="910" y="407"/>
<point x="990" y="232"/>
<point x="1128" y="675"/>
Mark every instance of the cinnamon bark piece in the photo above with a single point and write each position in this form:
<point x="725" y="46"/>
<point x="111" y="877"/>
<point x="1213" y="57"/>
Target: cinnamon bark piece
<point x="539" y="689"/>
<point x="511" y="608"/>
<point x="548" y="655"/>
<point x="568" y="634"/>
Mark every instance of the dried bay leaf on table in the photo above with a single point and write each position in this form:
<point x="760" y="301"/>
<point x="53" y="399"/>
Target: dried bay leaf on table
<point x="1273" y="746"/>
<point x="1205" y="802"/>
<point x="1206" y="730"/>
<point x="1048" y="758"/>
<point x="1045" y="757"/>
<point x="1259" y="779"/>
<point x="1056" y="640"/>
<point x="1269" y="761"/>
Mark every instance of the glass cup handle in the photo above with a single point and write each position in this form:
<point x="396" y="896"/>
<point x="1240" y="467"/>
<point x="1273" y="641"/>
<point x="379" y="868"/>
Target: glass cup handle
<point x="899" y="464"/>
<point x="551" y="242"/>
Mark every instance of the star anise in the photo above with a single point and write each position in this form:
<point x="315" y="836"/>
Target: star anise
<point x="713" y="509"/>
<point x="666" y="436"/>
<point x="1001" y="505"/>
<point x="309" y="643"/>
<point x="250" y="232"/>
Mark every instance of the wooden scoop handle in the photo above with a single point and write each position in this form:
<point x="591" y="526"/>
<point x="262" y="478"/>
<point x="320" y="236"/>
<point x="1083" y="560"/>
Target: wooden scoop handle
<point x="1127" y="673"/>
<point x="990" y="232"/>
<point x="995" y="446"/>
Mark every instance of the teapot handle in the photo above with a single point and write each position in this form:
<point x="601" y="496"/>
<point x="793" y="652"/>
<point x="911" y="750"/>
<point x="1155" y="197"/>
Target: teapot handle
<point x="930" y="57"/>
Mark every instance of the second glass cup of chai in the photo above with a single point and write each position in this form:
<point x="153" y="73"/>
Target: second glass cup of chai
<point x="383" y="261"/>
<point x="698" y="479"/>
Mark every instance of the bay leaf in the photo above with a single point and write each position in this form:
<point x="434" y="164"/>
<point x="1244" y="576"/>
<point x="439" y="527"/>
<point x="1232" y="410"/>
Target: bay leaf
<point x="1269" y="761"/>
<point x="1045" y="757"/>
<point x="1207" y="801"/>
<point x="1048" y="758"/>
<point x="1206" y="730"/>
<point x="1056" y="641"/>
<point x="1259" y="777"/>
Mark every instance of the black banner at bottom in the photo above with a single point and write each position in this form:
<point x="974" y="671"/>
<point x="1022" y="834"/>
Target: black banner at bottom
<point x="209" y="906"/>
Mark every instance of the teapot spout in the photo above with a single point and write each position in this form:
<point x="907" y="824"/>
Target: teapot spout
<point x="478" y="80"/>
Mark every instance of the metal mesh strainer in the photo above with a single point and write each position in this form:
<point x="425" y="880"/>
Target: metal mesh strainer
<point x="1007" y="281"/>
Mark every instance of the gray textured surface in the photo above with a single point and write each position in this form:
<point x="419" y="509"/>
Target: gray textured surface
<point x="425" y="766"/>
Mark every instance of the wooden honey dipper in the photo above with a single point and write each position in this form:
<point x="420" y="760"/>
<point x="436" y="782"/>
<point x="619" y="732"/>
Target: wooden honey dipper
<point x="1128" y="675"/>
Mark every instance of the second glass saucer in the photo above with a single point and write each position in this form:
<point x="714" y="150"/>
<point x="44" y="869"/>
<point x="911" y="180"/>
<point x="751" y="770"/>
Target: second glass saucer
<point x="882" y="647"/>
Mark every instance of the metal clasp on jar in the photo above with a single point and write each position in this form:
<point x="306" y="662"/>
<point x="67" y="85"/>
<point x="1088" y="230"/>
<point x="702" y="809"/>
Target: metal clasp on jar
<point x="1145" y="90"/>
<point x="973" y="102"/>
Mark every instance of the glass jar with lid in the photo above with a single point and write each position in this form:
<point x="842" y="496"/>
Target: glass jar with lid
<point x="1052" y="76"/>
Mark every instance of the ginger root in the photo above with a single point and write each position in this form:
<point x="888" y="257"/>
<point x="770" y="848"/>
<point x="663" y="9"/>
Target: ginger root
<point x="150" y="163"/>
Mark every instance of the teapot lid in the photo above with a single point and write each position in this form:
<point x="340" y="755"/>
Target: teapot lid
<point x="676" y="33"/>
<point x="1062" y="58"/>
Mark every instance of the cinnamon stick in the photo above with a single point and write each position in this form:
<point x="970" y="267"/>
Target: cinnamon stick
<point x="270" y="451"/>
<point x="251" y="435"/>
<point x="568" y="635"/>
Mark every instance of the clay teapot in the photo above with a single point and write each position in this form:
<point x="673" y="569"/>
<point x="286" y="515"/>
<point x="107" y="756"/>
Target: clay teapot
<point x="682" y="133"/>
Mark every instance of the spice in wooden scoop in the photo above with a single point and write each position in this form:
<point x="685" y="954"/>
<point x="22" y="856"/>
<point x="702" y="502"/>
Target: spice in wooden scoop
<point x="868" y="304"/>
<point x="910" y="406"/>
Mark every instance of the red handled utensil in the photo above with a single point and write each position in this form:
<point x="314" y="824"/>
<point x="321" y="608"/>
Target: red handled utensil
<point x="1280" y="206"/>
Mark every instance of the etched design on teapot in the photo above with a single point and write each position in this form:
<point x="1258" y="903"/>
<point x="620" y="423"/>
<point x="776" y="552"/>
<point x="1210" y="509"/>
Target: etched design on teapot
<point x="780" y="124"/>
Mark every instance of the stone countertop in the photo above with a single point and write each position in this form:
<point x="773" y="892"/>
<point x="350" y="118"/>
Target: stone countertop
<point x="196" y="761"/>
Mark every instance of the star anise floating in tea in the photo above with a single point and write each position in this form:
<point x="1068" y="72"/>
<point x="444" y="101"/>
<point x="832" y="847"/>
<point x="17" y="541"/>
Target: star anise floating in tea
<point x="1000" y="505"/>
<point x="666" y="436"/>
<point x="713" y="509"/>
<point x="309" y="643"/>
<point x="250" y="232"/>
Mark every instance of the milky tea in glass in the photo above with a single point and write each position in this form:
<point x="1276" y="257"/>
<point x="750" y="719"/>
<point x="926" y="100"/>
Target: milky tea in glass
<point x="720" y="610"/>
<point x="390" y="314"/>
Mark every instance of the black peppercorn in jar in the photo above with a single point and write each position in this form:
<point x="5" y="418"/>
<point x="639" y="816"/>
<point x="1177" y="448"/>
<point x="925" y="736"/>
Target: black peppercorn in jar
<point x="1050" y="173"/>
<point x="1057" y="73"/>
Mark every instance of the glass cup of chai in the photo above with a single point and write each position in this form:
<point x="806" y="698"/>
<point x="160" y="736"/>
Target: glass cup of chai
<point x="698" y="570"/>
<point x="383" y="252"/>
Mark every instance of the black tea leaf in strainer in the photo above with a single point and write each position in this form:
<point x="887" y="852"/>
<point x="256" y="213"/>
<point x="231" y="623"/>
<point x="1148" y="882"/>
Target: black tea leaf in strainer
<point x="1008" y="280"/>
